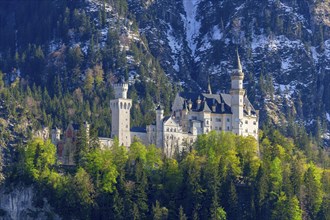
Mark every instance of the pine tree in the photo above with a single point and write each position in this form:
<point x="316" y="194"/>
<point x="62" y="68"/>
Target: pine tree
<point x="182" y="215"/>
<point x="313" y="191"/>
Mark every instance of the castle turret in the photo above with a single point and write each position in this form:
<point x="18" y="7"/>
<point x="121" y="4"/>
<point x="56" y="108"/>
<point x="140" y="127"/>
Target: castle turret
<point x="87" y="129"/>
<point x="121" y="90"/>
<point x="56" y="135"/>
<point x="237" y="97"/>
<point x="120" y="108"/>
<point x="159" y="126"/>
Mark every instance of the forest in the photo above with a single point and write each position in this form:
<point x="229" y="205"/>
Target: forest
<point x="223" y="176"/>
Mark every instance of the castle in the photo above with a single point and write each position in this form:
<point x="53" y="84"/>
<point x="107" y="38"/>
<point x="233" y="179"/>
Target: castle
<point x="192" y="114"/>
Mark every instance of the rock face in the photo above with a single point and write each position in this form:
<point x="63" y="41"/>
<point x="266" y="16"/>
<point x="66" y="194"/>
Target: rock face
<point x="284" y="45"/>
<point x="18" y="204"/>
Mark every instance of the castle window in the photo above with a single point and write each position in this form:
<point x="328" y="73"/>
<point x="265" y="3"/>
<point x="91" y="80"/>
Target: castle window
<point x="228" y="120"/>
<point x="246" y="122"/>
<point x="246" y="130"/>
<point x="227" y="128"/>
<point x="218" y="119"/>
<point x="220" y="128"/>
<point x="207" y="122"/>
<point x="167" y="129"/>
<point x="254" y="123"/>
<point x="254" y="131"/>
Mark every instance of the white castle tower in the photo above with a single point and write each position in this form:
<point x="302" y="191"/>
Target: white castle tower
<point x="120" y="108"/>
<point x="56" y="135"/>
<point x="237" y="98"/>
<point x="159" y="126"/>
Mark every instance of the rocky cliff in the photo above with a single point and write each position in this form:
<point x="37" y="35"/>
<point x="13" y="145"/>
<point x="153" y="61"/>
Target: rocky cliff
<point x="18" y="203"/>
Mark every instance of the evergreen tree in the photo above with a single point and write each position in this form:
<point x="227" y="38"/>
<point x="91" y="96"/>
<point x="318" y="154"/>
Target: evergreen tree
<point x="313" y="191"/>
<point x="182" y="215"/>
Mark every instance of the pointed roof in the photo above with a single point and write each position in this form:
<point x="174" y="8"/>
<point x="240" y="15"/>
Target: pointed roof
<point x="239" y="65"/>
<point x="239" y="70"/>
<point x="159" y="107"/>
<point x="205" y="107"/>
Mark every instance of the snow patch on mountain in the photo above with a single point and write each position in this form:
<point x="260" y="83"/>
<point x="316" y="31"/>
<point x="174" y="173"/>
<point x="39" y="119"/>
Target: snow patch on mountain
<point x="274" y="43"/>
<point x="175" y="46"/>
<point x="206" y="44"/>
<point x="315" y="54"/>
<point x="286" y="64"/>
<point x="327" y="48"/>
<point x="191" y="23"/>
<point x="286" y="91"/>
<point x="95" y="6"/>
<point x="216" y="33"/>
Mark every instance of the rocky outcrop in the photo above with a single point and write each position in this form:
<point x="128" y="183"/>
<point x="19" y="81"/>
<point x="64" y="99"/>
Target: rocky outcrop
<point x="18" y="204"/>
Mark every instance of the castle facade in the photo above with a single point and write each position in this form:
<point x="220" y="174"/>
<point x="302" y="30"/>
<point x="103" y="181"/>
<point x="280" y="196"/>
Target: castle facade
<point x="192" y="114"/>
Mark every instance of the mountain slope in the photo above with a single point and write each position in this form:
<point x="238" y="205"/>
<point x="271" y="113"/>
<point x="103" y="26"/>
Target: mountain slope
<point x="284" y="47"/>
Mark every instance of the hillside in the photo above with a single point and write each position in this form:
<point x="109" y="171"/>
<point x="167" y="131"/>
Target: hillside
<point x="284" y="47"/>
<point x="60" y="58"/>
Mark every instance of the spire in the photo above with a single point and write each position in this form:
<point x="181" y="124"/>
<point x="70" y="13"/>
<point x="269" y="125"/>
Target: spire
<point x="209" y="90"/>
<point x="238" y="71"/>
<point x="239" y="66"/>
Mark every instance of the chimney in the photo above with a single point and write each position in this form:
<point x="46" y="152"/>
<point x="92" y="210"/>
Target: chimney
<point x="248" y="110"/>
<point x="189" y="104"/>
<point x="199" y="101"/>
<point x="214" y="108"/>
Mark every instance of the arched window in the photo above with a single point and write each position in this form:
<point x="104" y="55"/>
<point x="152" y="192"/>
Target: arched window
<point x="125" y="105"/>
<point x="121" y="105"/>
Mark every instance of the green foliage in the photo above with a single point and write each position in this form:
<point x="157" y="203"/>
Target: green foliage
<point x="276" y="175"/>
<point x="314" y="195"/>
<point x="222" y="178"/>
<point x="159" y="213"/>
<point x="83" y="186"/>
<point x="99" y="163"/>
<point x="138" y="152"/>
<point x="39" y="157"/>
<point x="220" y="214"/>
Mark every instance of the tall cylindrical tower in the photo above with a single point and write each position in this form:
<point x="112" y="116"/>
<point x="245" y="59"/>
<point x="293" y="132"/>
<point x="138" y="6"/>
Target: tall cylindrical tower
<point x="120" y="109"/>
